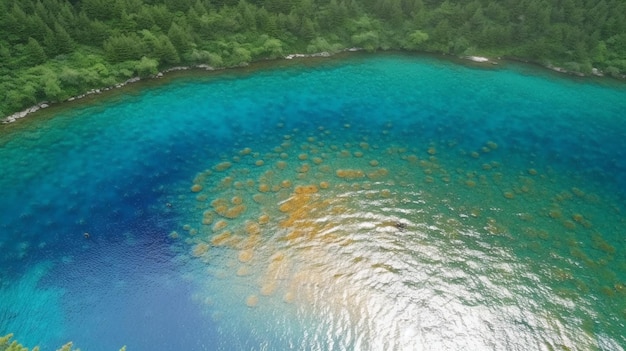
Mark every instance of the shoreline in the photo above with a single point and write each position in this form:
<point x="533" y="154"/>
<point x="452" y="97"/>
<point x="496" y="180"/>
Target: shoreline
<point x="324" y="54"/>
<point x="45" y="104"/>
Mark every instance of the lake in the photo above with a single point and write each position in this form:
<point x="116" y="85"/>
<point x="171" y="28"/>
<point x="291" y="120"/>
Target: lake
<point x="362" y="202"/>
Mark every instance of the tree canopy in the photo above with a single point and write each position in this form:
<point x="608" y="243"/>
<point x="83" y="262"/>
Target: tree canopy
<point x="53" y="49"/>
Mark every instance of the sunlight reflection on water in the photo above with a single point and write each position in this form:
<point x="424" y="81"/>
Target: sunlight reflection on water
<point x="407" y="252"/>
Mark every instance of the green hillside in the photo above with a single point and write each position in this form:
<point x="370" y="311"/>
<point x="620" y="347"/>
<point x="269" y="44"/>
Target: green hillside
<point x="51" y="50"/>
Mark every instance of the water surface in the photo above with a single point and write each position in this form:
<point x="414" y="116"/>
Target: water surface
<point x="367" y="202"/>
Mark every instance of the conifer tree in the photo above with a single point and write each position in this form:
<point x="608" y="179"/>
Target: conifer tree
<point x="34" y="54"/>
<point x="64" y="42"/>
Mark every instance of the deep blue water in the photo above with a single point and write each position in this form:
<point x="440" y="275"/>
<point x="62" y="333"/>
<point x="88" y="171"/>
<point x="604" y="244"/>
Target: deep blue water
<point x="90" y="194"/>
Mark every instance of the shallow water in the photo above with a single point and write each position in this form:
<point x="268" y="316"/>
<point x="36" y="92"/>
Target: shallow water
<point x="368" y="202"/>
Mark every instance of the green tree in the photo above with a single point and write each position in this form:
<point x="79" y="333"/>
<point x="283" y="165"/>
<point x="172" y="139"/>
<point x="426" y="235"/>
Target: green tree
<point x="369" y="40"/>
<point x="240" y="56"/>
<point x="36" y="27"/>
<point x="33" y="53"/>
<point x="50" y="43"/>
<point x="166" y="52"/>
<point x="124" y="48"/>
<point x="180" y="38"/>
<point x="64" y="42"/>
<point x="415" y="40"/>
<point x="51" y="88"/>
<point x="307" y="30"/>
<point x="335" y="15"/>
<point x="147" y="67"/>
<point x="98" y="9"/>
<point x="271" y="48"/>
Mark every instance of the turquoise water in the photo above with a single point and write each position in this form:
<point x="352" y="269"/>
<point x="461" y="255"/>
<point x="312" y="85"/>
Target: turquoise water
<point x="367" y="202"/>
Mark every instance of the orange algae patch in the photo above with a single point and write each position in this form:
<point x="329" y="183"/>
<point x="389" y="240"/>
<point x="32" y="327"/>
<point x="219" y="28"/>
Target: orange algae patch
<point x="569" y="225"/>
<point x="301" y="208"/>
<point x="252" y="301"/>
<point x="378" y="174"/>
<point x="259" y="163"/>
<point x="325" y="169"/>
<point x="243" y="271"/>
<point x="207" y="217"/>
<point x="219" y="225"/>
<point x="269" y="288"/>
<point x="508" y="194"/>
<point x="492" y="145"/>
<point x="304" y="169"/>
<point x="258" y="198"/>
<point x="226" y="182"/>
<point x="245" y="151"/>
<point x="221" y="167"/>
<point x="554" y="213"/>
<point x="350" y="173"/>
<point x="599" y="243"/>
<point x="374" y="163"/>
<point x="278" y="256"/>
<point x="306" y="189"/>
<point x="264" y="188"/>
<point x="289" y="297"/>
<point x="317" y="160"/>
<point x="253" y="228"/>
<point x="196" y="188"/>
<point x="245" y="255"/>
<point x="264" y="219"/>
<point x="532" y="171"/>
<point x="578" y="192"/>
<point x="345" y="153"/>
<point x="285" y="183"/>
<point x="236" y="200"/>
<point x="432" y="150"/>
<point x="303" y="157"/>
<point x="200" y="249"/>
<point x="358" y="154"/>
<point x="324" y="185"/>
<point x="412" y="159"/>
<point x="221" y="239"/>
<point x="221" y="210"/>
<point x="201" y="177"/>
<point x="234" y="211"/>
<point x="286" y="206"/>
<point x="250" y="242"/>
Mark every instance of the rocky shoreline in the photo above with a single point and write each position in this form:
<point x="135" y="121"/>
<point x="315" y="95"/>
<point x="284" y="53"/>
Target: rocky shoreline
<point x="44" y="104"/>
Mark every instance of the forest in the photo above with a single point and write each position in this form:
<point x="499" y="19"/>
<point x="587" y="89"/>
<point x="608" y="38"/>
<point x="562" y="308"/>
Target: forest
<point x="51" y="50"/>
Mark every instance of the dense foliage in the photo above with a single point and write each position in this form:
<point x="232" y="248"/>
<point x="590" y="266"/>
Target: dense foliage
<point x="53" y="49"/>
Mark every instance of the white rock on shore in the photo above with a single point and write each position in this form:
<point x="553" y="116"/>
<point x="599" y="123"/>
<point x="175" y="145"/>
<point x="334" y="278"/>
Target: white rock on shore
<point x="477" y="58"/>
<point x="17" y="115"/>
<point x="319" y="54"/>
